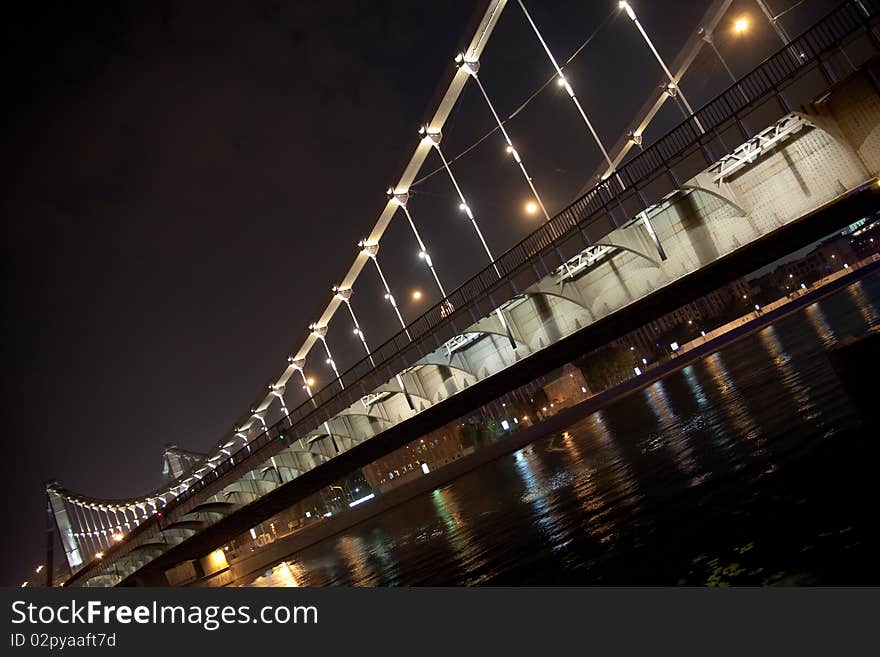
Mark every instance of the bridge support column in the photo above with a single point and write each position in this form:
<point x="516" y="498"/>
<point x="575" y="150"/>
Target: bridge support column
<point x="85" y="529"/>
<point x="503" y="321"/>
<point x="821" y="117"/>
<point x="99" y="521"/>
<point x="646" y="221"/>
<point x="69" y="543"/>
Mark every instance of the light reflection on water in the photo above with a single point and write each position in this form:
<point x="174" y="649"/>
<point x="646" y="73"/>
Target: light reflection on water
<point x="867" y="310"/>
<point x="820" y="323"/>
<point x="672" y="433"/>
<point x="788" y="375"/>
<point x="629" y="493"/>
<point x="540" y="490"/>
<point x="457" y="530"/>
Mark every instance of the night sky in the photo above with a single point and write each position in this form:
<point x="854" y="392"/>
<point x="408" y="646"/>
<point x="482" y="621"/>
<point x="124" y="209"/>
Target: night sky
<point x="185" y="181"/>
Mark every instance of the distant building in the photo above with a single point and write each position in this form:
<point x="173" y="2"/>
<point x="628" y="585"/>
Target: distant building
<point x="828" y="257"/>
<point x="865" y="239"/>
<point x="414" y="460"/>
<point x="852" y="244"/>
<point x="566" y="389"/>
<point x="712" y="305"/>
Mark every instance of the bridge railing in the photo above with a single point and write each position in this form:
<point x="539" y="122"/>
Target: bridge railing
<point x="846" y="20"/>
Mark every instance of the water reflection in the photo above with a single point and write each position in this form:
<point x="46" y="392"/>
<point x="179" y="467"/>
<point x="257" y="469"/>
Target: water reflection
<point x="790" y="379"/>
<point x="607" y="484"/>
<point x="458" y="535"/>
<point x="611" y="498"/>
<point x="736" y="411"/>
<point x="379" y="547"/>
<point x="866" y="309"/>
<point x="540" y="493"/>
<point x="352" y="549"/>
<point x="283" y="575"/>
<point x="671" y="433"/>
<point x="717" y="435"/>
<point x="584" y="462"/>
<point x="820" y="323"/>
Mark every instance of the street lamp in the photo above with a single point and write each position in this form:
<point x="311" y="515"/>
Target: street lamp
<point x="531" y="208"/>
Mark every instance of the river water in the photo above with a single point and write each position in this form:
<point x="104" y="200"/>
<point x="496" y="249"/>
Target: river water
<point x="749" y="466"/>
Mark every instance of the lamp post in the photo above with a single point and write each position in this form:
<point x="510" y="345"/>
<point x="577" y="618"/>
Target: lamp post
<point x="308" y="381"/>
<point x="741" y="27"/>
<point x="308" y="384"/>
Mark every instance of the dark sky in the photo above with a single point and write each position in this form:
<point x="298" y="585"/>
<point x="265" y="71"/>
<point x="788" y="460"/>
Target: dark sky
<point x="185" y="181"/>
